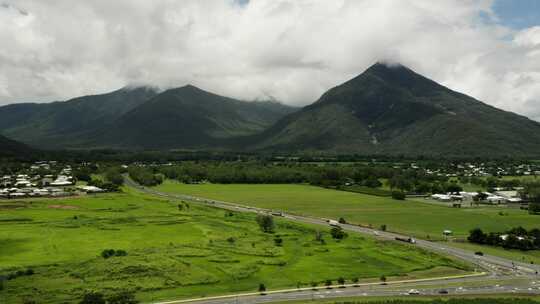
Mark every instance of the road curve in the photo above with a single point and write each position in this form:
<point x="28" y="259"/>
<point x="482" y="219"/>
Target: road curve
<point x="493" y="267"/>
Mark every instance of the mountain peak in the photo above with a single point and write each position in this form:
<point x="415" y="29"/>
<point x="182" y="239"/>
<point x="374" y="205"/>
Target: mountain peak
<point x="388" y="69"/>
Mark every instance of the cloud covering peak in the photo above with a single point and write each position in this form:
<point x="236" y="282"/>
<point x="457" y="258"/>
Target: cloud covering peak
<point x="291" y="50"/>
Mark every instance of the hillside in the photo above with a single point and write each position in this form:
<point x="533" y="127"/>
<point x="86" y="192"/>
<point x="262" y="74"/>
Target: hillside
<point x="393" y="110"/>
<point x="62" y="124"/>
<point x="10" y="148"/>
<point x="188" y="117"/>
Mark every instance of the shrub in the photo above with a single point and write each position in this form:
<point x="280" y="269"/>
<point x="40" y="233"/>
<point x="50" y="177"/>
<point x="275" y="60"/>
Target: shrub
<point x="342" y="220"/>
<point x="262" y="287"/>
<point x="108" y="253"/>
<point x="266" y="223"/>
<point x="338" y="233"/>
<point x="93" y="298"/>
<point x="122" y="298"/>
<point x="278" y="241"/>
<point x="398" y="195"/>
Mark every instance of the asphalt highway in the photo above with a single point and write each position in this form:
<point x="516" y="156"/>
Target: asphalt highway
<point x="518" y="277"/>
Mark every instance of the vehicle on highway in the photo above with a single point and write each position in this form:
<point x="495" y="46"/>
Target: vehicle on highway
<point x="443" y="291"/>
<point x="333" y="223"/>
<point x="407" y="240"/>
<point x="277" y="213"/>
<point x="480" y="253"/>
<point x="413" y="292"/>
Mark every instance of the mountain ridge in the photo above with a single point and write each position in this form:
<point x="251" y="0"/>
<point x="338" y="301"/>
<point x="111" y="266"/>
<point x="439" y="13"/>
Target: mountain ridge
<point x="394" y="110"/>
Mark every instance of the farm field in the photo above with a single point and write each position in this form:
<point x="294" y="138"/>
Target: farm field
<point x="411" y="217"/>
<point x="55" y="246"/>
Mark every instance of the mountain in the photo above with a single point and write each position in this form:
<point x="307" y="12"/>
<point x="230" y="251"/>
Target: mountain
<point x="393" y="110"/>
<point x="9" y="148"/>
<point x="188" y="117"/>
<point x="63" y="124"/>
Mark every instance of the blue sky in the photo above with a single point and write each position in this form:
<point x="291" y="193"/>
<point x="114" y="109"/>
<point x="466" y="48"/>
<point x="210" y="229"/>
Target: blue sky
<point x="518" y="14"/>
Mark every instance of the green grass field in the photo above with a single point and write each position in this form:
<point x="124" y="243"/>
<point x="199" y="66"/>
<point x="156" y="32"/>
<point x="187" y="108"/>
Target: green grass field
<point x="172" y="253"/>
<point x="409" y="217"/>
<point x="469" y="299"/>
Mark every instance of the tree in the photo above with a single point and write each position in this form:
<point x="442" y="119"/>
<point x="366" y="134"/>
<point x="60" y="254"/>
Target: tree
<point x="93" y="298"/>
<point x="113" y="176"/>
<point x="383" y="227"/>
<point x="454" y="188"/>
<point x="122" y="298"/>
<point x="262" y="287"/>
<point x="342" y="220"/>
<point x="266" y="223"/>
<point x="477" y="236"/>
<point x="341" y="281"/>
<point x="328" y="283"/>
<point x="398" y="195"/>
<point x="534" y="208"/>
<point x="383" y="279"/>
<point x="338" y="233"/>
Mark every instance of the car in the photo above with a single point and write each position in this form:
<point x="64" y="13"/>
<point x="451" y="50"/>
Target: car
<point x="443" y="291"/>
<point x="413" y="292"/>
<point x="480" y="253"/>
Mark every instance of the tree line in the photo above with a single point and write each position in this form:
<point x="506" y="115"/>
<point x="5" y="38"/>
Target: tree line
<point x="516" y="238"/>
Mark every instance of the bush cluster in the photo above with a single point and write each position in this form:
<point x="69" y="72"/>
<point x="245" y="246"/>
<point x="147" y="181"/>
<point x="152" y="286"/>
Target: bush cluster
<point x="108" y="253"/>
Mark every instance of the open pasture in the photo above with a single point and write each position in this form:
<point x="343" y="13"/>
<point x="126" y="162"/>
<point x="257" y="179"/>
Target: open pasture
<point x="178" y="252"/>
<point x="412" y="217"/>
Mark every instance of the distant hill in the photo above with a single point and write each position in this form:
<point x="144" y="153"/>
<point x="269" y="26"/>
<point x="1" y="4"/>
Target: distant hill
<point x="141" y="118"/>
<point x="11" y="148"/>
<point x="393" y="110"/>
<point x="64" y="124"/>
<point x="189" y="117"/>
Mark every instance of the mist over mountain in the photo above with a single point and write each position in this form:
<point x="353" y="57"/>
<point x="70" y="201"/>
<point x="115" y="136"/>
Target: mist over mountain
<point x="388" y="109"/>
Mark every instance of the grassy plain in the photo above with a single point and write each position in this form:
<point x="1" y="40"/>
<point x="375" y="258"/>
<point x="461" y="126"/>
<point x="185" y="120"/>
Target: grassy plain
<point x="467" y="299"/>
<point x="173" y="253"/>
<point x="410" y="217"/>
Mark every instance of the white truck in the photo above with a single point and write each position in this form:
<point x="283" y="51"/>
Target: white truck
<point x="333" y="223"/>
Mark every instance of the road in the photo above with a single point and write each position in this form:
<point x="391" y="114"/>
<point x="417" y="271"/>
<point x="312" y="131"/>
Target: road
<point x="519" y="277"/>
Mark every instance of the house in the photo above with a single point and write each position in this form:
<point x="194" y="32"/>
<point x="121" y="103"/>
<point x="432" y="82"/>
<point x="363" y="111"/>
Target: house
<point x="509" y="196"/>
<point x="90" y="189"/>
<point x="442" y="197"/>
<point x="495" y="199"/>
<point x="62" y="180"/>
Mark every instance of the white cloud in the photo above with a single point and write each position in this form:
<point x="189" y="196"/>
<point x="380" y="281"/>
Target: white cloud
<point x="292" y="50"/>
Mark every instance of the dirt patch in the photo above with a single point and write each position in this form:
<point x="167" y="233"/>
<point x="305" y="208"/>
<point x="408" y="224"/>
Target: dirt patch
<point x="13" y="205"/>
<point x="62" y="207"/>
